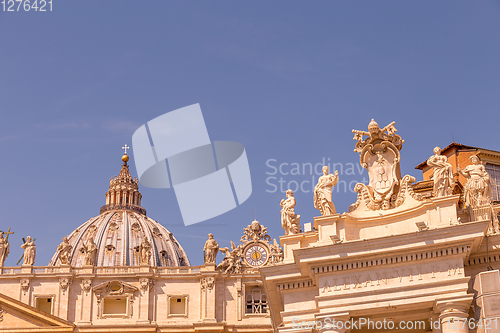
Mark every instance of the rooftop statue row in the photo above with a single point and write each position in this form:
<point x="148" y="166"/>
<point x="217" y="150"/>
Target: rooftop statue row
<point x="28" y="246"/>
<point x="478" y="187"/>
<point x="379" y="150"/>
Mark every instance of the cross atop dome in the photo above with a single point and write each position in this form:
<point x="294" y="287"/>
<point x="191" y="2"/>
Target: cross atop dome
<point x="125" y="157"/>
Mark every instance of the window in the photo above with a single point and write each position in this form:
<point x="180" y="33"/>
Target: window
<point x="178" y="305"/>
<point x="115" y="306"/>
<point x="44" y="304"/>
<point x="256" y="301"/>
<point x="494" y="172"/>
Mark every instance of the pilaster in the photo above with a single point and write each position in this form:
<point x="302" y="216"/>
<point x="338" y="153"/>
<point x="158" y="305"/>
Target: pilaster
<point x="208" y="305"/>
<point x="63" y="299"/>
<point x="146" y="285"/>
<point x="85" y="314"/>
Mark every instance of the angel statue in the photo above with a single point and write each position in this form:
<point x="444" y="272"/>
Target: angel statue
<point x="231" y="263"/>
<point x="289" y="220"/>
<point x="323" y="192"/>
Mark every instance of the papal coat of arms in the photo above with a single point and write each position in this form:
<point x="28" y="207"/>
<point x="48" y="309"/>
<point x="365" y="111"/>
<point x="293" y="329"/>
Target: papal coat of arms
<point x="379" y="155"/>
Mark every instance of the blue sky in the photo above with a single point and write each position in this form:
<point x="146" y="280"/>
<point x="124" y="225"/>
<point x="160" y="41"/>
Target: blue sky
<point x="287" y="79"/>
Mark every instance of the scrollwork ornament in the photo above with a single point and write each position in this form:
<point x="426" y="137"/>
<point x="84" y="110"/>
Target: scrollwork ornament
<point x="64" y="283"/>
<point x="207" y="283"/>
<point x="146" y="284"/>
<point x="86" y="285"/>
<point x="25" y="285"/>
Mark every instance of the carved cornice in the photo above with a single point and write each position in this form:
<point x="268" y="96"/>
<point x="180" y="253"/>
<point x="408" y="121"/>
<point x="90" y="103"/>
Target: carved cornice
<point x="296" y="284"/>
<point x="132" y="208"/>
<point x="482" y="260"/>
<point x="388" y="260"/>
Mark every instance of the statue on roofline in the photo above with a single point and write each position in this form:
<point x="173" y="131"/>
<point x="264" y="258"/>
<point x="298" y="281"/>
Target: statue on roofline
<point x="289" y="220"/>
<point x="29" y="251"/>
<point x="4" y="247"/>
<point x="478" y="186"/>
<point x="443" y="174"/>
<point x="323" y="192"/>
<point x="210" y="250"/>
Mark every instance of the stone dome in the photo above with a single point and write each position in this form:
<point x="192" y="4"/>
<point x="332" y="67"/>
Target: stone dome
<point x="120" y="228"/>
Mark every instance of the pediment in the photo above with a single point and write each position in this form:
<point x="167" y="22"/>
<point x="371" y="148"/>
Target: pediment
<point x="114" y="288"/>
<point x="15" y="314"/>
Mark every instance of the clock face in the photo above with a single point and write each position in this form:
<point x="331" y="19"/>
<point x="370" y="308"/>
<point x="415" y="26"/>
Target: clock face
<point x="256" y="255"/>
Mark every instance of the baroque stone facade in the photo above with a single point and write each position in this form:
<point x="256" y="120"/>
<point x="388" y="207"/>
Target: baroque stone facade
<point x="425" y="253"/>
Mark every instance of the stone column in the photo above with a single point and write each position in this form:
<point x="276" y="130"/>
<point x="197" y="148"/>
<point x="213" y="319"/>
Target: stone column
<point x="454" y="313"/>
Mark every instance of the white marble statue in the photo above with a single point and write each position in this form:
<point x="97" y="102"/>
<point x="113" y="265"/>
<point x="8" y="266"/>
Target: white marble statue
<point x="64" y="251"/>
<point x="289" y="220"/>
<point x="144" y="251"/>
<point x="90" y="249"/>
<point x="478" y="186"/>
<point x="210" y="250"/>
<point x="443" y="174"/>
<point x="4" y="249"/>
<point x="29" y="251"/>
<point x="323" y="192"/>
